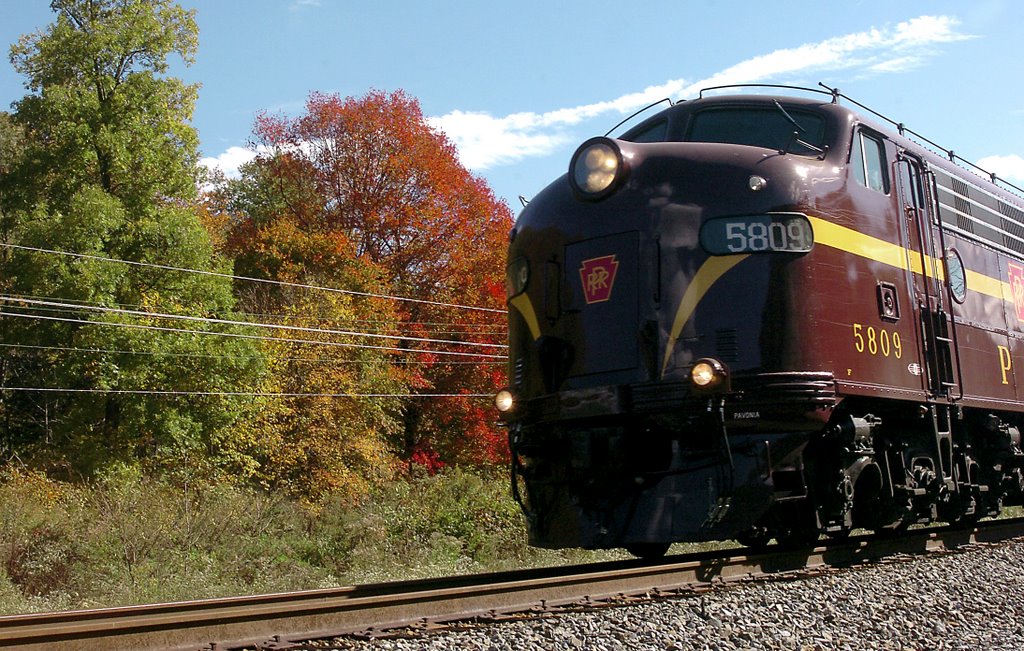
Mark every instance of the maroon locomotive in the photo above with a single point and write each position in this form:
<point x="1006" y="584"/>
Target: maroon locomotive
<point x="760" y="317"/>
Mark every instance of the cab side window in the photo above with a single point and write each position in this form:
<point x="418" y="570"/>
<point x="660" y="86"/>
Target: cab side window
<point x="656" y="133"/>
<point x="867" y="162"/>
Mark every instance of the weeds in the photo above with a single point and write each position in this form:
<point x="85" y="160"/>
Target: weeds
<point x="128" y="538"/>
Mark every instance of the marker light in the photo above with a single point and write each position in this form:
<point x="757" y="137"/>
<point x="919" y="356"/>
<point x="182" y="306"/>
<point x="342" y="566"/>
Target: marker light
<point x="504" y="400"/>
<point x="517" y="276"/>
<point x="596" y="168"/>
<point x="757" y="183"/>
<point x="708" y="373"/>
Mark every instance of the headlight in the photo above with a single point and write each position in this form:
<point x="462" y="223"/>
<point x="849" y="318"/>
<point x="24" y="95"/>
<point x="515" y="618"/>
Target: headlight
<point x="708" y="374"/>
<point x="504" y="400"/>
<point x="596" y="168"/>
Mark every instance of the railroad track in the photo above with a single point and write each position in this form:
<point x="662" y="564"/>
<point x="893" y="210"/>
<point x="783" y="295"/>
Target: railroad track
<point x="273" y="621"/>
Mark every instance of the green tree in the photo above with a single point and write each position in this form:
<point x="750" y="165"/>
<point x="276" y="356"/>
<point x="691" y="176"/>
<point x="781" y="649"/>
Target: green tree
<point x="326" y="436"/>
<point x="107" y="170"/>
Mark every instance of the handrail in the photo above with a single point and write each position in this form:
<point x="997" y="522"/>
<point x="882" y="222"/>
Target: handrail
<point x="933" y="201"/>
<point x="903" y="130"/>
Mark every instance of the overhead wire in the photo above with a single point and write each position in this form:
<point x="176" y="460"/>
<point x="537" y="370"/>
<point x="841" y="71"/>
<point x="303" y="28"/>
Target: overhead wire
<point x="467" y="328"/>
<point x="231" y="322"/>
<point x="252" y="337"/>
<point x="217" y="274"/>
<point x="41" y="304"/>
<point x="152" y="353"/>
<point x="45" y="304"/>
<point x="246" y="394"/>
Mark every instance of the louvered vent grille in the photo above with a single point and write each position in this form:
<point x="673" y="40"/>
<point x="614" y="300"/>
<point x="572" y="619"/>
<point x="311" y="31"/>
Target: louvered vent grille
<point x="1012" y="222"/>
<point x="972" y="210"/>
<point x="727" y="346"/>
<point x="961" y="196"/>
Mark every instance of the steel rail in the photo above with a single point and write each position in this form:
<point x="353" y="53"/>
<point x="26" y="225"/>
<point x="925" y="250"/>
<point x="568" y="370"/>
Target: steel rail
<point x="268" y="620"/>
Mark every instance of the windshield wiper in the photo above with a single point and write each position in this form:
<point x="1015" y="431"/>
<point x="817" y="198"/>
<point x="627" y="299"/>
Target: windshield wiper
<point x="788" y="116"/>
<point x="795" y="138"/>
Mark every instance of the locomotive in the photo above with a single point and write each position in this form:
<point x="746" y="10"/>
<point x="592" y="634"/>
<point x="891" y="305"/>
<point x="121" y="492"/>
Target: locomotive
<point x="763" y="316"/>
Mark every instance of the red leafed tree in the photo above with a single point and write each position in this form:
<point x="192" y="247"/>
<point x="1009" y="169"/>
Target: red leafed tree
<point x="372" y="173"/>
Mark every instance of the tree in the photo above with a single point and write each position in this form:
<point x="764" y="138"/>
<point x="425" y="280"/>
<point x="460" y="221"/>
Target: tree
<point x="108" y="171"/>
<point x="370" y="175"/>
<point x="325" y="436"/>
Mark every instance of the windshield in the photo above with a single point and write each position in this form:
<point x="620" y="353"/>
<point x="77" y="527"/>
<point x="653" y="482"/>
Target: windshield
<point x="769" y="127"/>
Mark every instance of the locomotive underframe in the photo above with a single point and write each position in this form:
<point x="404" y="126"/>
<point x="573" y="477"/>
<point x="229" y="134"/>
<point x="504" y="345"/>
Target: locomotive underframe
<point x="618" y="467"/>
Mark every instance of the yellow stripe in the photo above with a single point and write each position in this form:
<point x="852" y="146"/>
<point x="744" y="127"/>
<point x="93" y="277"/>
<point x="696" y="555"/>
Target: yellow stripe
<point x="990" y="286"/>
<point x="894" y="255"/>
<point x="706" y="276"/>
<point x="525" y="307"/>
<point x="851" y="241"/>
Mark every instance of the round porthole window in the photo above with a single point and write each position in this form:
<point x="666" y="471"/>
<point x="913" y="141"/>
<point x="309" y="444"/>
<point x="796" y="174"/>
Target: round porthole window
<point x="956" y="276"/>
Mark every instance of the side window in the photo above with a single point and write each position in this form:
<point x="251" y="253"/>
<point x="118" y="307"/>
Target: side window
<point x="867" y="162"/>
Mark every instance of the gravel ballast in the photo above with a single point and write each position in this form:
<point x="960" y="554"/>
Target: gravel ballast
<point x="968" y="600"/>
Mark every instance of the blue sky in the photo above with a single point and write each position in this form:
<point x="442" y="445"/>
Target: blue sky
<point x="516" y="86"/>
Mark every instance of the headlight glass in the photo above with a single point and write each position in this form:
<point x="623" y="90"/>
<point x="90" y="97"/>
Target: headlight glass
<point x="709" y="374"/>
<point x="703" y="374"/>
<point x="596" y="167"/>
<point x="504" y="400"/>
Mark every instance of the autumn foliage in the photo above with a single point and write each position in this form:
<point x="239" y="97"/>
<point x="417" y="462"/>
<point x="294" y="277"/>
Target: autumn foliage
<point x="330" y="319"/>
<point x="360" y="193"/>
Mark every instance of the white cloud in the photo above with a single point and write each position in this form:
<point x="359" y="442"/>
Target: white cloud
<point x="229" y="161"/>
<point x="485" y="141"/>
<point x="926" y="30"/>
<point x="1008" y="167"/>
<point x="898" y="64"/>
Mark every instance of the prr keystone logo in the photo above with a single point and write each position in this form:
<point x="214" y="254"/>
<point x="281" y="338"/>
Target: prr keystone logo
<point x="1016" y="278"/>
<point x="598" y="278"/>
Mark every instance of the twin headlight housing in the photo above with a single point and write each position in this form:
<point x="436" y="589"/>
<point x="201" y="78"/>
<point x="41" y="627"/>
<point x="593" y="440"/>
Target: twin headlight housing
<point x="707" y="375"/>
<point x="597" y="169"/>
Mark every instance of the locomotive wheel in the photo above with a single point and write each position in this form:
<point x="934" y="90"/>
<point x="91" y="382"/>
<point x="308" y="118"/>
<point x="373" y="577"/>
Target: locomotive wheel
<point x="648" y="551"/>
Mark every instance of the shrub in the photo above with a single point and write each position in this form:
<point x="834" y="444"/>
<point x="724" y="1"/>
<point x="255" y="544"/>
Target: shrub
<point x="132" y="538"/>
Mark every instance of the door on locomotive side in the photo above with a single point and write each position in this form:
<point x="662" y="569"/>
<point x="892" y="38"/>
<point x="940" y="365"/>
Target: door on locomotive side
<point x="934" y="316"/>
<point x="882" y="337"/>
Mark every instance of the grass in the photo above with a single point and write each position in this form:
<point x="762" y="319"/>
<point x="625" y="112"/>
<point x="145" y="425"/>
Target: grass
<point x="129" y="539"/>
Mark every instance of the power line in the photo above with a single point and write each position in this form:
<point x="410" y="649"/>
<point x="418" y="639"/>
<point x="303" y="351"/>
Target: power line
<point x="251" y="337"/>
<point x="449" y="326"/>
<point x="465" y="328"/>
<point x="317" y="360"/>
<point x="472" y="329"/>
<point x="246" y="394"/>
<point x="281" y="283"/>
<point x="199" y="319"/>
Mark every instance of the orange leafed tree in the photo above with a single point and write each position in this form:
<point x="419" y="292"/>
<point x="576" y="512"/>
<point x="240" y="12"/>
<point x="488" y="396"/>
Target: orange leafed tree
<point x="371" y="176"/>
